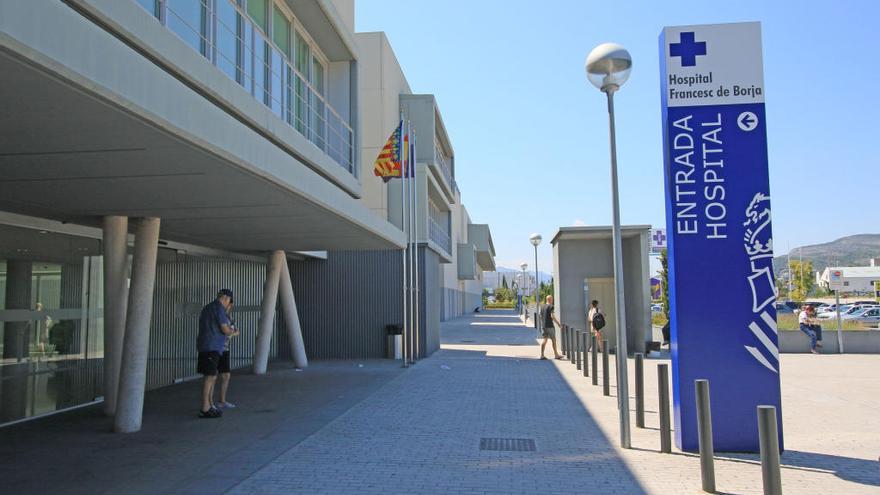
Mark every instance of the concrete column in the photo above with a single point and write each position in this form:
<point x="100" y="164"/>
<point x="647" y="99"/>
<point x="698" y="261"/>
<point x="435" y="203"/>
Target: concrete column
<point x="267" y="312"/>
<point x="18" y="296"/>
<point x="291" y="318"/>
<point x="13" y="400"/>
<point x="115" y="304"/>
<point x="133" y="369"/>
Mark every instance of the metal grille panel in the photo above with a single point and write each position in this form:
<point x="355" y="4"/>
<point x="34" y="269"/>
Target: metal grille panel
<point x="508" y="444"/>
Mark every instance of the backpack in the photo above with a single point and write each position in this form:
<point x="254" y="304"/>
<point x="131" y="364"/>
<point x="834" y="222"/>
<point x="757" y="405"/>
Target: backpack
<point x="598" y="321"/>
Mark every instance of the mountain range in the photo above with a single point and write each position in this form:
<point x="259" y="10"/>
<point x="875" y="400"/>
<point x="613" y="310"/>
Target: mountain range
<point x="545" y="277"/>
<point x="854" y="250"/>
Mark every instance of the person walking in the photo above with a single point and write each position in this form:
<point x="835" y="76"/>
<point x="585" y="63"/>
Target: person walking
<point x="597" y="322"/>
<point x="549" y="330"/>
<point x="223" y="368"/>
<point x="807" y="324"/>
<point x="214" y="328"/>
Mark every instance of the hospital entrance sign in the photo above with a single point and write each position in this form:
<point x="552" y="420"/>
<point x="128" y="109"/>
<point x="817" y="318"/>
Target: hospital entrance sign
<point x="720" y="246"/>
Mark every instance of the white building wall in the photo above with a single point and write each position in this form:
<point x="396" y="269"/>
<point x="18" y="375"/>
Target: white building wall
<point x="381" y="83"/>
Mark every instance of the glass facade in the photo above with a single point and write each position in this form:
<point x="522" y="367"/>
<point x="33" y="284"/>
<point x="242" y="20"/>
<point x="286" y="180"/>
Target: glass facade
<point x="260" y="46"/>
<point x="50" y="322"/>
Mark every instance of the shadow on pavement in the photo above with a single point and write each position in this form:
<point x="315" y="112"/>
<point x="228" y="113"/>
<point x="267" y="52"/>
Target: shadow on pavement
<point x="75" y="451"/>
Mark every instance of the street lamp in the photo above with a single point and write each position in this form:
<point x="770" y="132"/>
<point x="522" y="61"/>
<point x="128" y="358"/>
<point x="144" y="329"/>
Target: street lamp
<point x="535" y="239"/>
<point x="523" y="286"/>
<point x="608" y="67"/>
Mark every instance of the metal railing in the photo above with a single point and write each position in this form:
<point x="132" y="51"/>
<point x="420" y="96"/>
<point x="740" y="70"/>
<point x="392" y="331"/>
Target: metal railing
<point x="440" y="159"/>
<point x="439" y="236"/>
<point x="229" y="39"/>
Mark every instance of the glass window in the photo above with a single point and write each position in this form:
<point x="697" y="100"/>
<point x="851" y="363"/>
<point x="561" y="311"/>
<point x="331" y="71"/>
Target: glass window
<point x="230" y="35"/>
<point x="281" y="32"/>
<point x="187" y="18"/>
<point x="257" y="10"/>
<point x="152" y="6"/>
<point x="319" y="119"/>
<point x="303" y="54"/>
<point x="51" y="322"/>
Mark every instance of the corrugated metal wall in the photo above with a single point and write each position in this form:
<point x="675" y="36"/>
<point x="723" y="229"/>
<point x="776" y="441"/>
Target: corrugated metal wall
<point x="345" y="301"/>
<point x="431" y="285"/>
<point x="184" y="284"/>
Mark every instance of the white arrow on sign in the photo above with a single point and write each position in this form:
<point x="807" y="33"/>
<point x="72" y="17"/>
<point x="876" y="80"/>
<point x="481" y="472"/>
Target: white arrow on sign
<point x="747" y="121"/>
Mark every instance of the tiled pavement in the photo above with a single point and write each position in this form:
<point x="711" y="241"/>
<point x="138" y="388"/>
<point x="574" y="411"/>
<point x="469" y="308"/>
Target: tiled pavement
<point x="342" y="428"/>
<point x="420" y="433"/>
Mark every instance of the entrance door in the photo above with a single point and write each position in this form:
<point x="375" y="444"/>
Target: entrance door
<point x="602" y="290"/>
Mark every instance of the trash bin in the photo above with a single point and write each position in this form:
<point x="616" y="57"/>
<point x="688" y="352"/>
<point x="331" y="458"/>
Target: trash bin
<point x="394" y="339"/>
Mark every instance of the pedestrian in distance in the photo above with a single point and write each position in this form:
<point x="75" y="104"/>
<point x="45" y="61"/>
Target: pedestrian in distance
<point x="807" y="324"/>
<point x="549" y="319"/>
<point x="223" y="368"/>
<point x="597" y="322"/>
<point x="214" y="329"/>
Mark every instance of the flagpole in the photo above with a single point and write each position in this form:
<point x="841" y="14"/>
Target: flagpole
<point x="412" y="255"/>
<point x="416" y="267"/>
<point x="403" y="226"/>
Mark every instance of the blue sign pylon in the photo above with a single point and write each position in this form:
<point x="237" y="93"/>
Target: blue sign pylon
<point x="718" y="223"/>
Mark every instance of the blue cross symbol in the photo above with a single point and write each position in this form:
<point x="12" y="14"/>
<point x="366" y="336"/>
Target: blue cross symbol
<point x="687" y="49"/>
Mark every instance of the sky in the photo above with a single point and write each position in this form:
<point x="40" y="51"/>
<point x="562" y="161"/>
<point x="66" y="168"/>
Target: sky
<point x="530" y="133"/>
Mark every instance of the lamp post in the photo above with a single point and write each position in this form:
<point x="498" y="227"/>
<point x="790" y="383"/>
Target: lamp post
<point x="535" y="239"/>
<point x="608" y="67"/>
<point x="523" y="285"/>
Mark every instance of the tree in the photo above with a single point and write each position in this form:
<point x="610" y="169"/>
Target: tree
<point x="504" y="281"/>
<point x="546" y="290"/>
<point x="803" y="280"/>
<point x="664" y="283"/>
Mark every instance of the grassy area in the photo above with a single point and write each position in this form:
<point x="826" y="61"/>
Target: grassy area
<point x="789" y="321"/>
<point x="786" y="321"/>
<point x="501" y="305"/>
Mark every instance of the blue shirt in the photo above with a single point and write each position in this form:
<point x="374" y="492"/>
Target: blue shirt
<point x="211" y="336"/>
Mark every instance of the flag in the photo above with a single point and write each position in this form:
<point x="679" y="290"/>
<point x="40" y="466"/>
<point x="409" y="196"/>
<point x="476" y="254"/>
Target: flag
<point x="389" y="163"/>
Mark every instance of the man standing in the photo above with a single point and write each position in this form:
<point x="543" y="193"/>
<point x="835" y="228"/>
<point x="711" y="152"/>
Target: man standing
<point x="214" y="328"/>
<point x="224" y="368"/>
<point x="549" y="330"/>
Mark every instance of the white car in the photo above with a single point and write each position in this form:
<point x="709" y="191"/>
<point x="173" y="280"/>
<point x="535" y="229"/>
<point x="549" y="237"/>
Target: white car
<point x="869" y="315"/>
<point x="844" y="310"/>
<point x="864" y="311"/>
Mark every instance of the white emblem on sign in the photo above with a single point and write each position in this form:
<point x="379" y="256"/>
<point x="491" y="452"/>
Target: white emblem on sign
<point x="747" y="121"/>
<point x="758" y="244"/>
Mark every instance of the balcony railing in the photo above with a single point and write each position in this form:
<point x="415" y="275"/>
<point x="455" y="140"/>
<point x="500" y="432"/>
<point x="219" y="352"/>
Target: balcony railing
<point x="439" y="236"/>
<point x="444" y="167"/>
<point x="230" y="40"/>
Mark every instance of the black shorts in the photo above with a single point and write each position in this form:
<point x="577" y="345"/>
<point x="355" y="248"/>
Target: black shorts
<point x="209" y="363"/>
<point x="223" y="367"/>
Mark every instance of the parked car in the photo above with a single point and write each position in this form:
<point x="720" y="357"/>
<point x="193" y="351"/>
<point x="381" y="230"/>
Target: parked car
<point x="846" y="311"/>
<point x="871" y="303"/>
<point x="868" y="315"/>
<point x="782" y="308"/>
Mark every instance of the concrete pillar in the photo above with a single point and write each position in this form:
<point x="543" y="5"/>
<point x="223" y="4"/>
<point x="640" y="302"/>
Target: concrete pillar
<point x="13" y="400"/>
<point x="133" y="369"/>
<point x="267" y="312"/>
<point x="115" y="304"/>
<point x="19" y="275"/>
<point x="291" y="318"/>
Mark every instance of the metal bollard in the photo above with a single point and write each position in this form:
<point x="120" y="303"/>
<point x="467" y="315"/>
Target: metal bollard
<point x="595" y="359"/>
<point x="606" y="386"/>
<point x="584" y="353"/>
<point x="704" y="430"/>
<point x="564" y="344"/>
<point x="640" y="390"/>
<point x="665" y="428"/>
<point x="577" y="348"/>
<point x="571" y="347"/>
<point x="769" y="439"/>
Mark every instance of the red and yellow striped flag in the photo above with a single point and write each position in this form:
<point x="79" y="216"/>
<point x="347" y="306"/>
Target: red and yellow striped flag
<point x="389" y="163"/>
